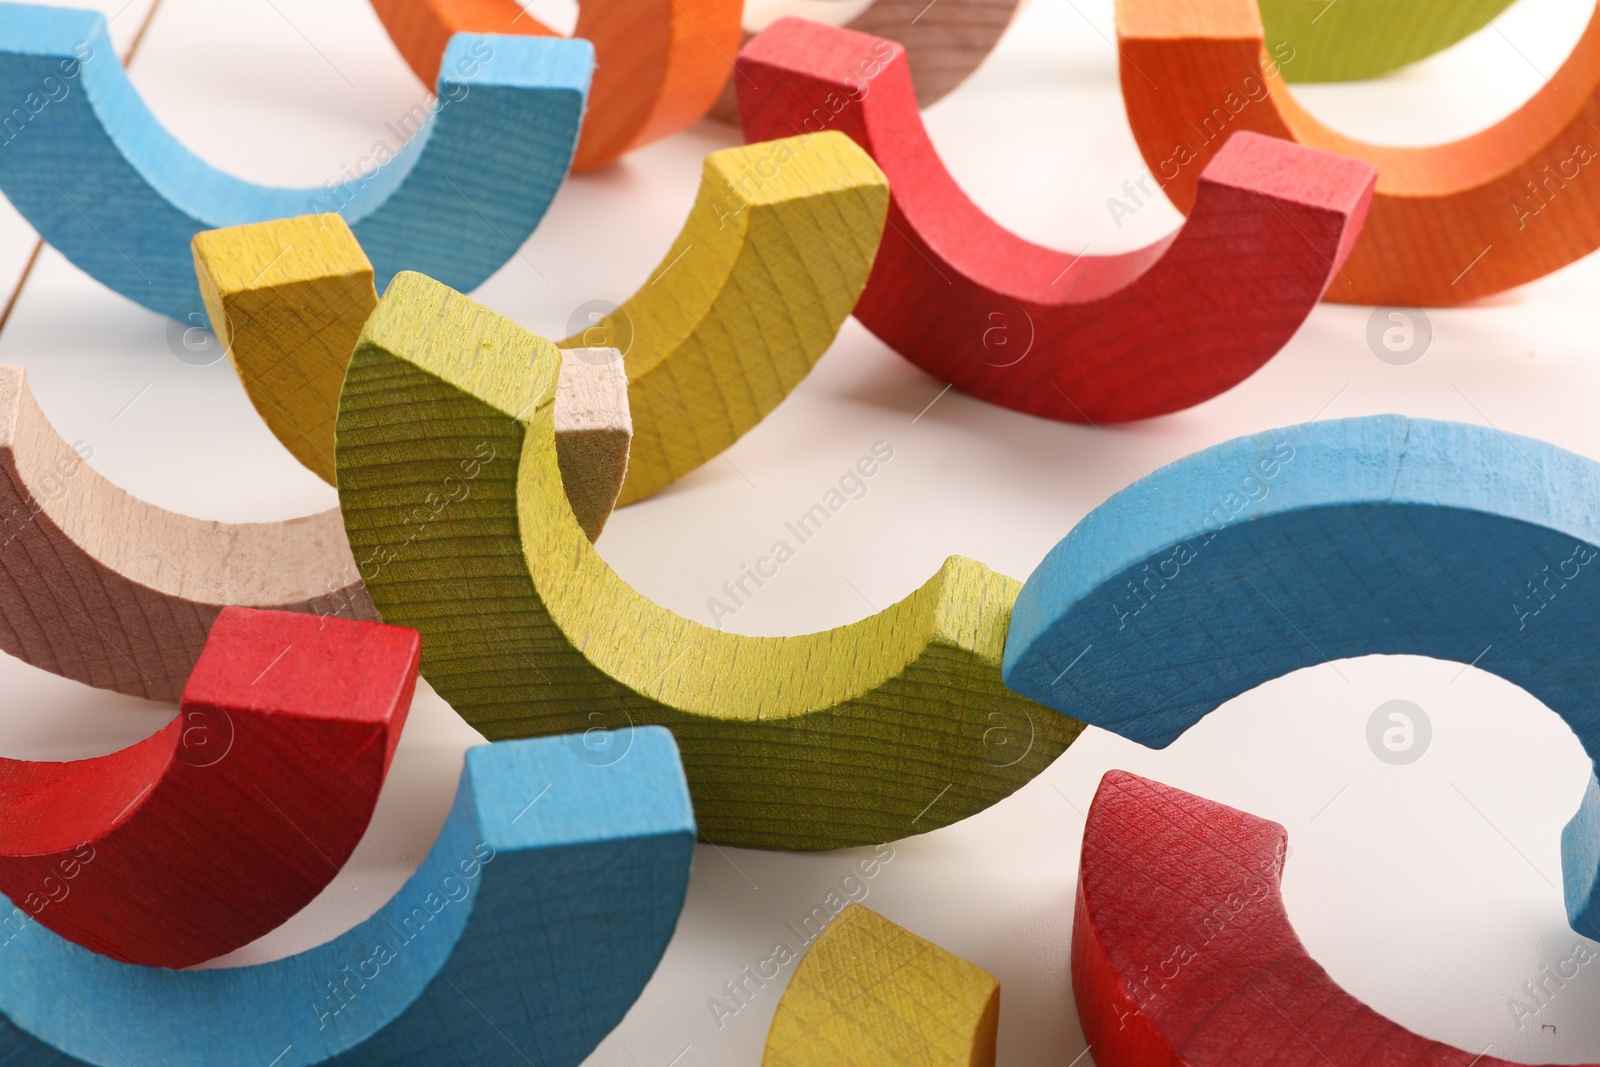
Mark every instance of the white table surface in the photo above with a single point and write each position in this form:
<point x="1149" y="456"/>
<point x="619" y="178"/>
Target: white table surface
<point x="1429" y="890"/>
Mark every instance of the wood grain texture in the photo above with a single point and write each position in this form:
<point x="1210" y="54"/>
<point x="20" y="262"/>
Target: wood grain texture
<point x="288" y="299"/>
<point x="1355" y="39"/>
<point x="660" y="64"/>
<point x="944" y="42"/>
<point x="1080" y="338"/>
<point x="1182" y="951"/>
<point x="1286" y="549"/>
<point x="1449" y="223"/>
<point x="891" y="726"/>
<point x="869" y="992"/>
<point x="217" y="829"/>
<point x="525" y="935"/>
<point x="772" y="259"/>
<point x="94" y="171"/>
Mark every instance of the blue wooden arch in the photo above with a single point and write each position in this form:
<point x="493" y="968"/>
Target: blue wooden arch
<point x="86" y="162"/>
<point x="524" y="937"/>
<point x="1380" y="535"/>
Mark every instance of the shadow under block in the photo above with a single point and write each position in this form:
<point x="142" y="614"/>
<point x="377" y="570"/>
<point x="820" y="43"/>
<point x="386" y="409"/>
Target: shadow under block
<point x="944" y="44"/>
<point x="524" y="937"/>
<point x="768" y="266"/>
<point x="218" y="828"/>
<point x="869" y="992"/>
<point x="100" y="179"/>
<point x="1352" y="40"/>
<point x="1182" y="950"/>
<point x="888" y="727"/>
<point x="1077" y="338"/>
<point x="288" y="299"/>
<point x="1449" y="223"/>
<point x="659" y="64"/>
<point x="1321" y="542"/>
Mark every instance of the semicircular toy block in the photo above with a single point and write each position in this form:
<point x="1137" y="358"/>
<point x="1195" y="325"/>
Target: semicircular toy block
<point x="1449" y="223"/>
<point x="289" y="297"/>
<point x="1182" y="950"/>
<point x="1320" y="542"/>
<point x="659" y="64"/>
<point x="525" y="935"/>
<point x="1079" y="338"/>
<point x="106" y="589"/>
<point x="881" y="729"/>
<point x="100" y="179"/>
<point x="223" y="825"/>
<point x="1351" y="40"/>
<point x="767" y="267"/>
<point x="869" y="992"/>
<point x="944" y="44"/>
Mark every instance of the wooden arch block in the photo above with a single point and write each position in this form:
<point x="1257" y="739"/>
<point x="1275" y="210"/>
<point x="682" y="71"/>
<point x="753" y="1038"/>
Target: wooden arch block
<point x="217" y="829"/>
<point x="1449" y="223"/>
<point x="289" y="298"/>
<point x="528" y="931"/>
<point x="1080" y="338"/>
<point x="888" y="727"/>
<point x="659" y="64"/>
<point x="869" y="992"/>
<point x="1321" y="542"/>
<point x="103" y="181"/>
<point x="944" y="42"/>
<point x="106" y="589"/>
<point x="1355" y="39"/>
<point x="1182" y="951"/>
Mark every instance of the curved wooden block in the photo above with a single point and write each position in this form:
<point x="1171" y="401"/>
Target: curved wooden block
<point x="1320" y="542"/>
<point x="869" y="992"/>
<point x="1182" y="951"/>
<point x="1356" y="39"/>
<point x="767" y="268"/>
<point x="888" y="727"/>
<point x="528" y="931"/>
<point x="289" y="298"/>
<point x="1449" y="223"/>
<point x="659" y="63"/>
<point x="217" y="829"/>
<point x="103" y="181"/>
<point x="944" y="43"/>
<point x="1080" y="338"/>
<point x="103" y="588"/>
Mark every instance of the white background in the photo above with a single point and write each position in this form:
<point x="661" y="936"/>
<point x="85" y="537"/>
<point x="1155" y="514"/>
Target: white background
<point x="1430" y="890"/>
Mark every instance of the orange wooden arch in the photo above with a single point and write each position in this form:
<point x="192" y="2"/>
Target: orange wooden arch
<point x="1449" y="223"/>
<point x="660" y="64"/>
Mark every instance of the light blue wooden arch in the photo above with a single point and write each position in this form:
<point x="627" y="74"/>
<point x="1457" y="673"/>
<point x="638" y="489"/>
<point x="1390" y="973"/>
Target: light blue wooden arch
<point x="1380" y="535"/>
<point x="532" y="955"/>
<point x="95" y="172"/>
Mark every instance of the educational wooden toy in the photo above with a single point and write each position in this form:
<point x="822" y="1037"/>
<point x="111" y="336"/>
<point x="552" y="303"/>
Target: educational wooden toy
<point x="289" y="298"/>
<point x="106" y="589"/>
<point x="528" y="931"/>
<point x="1368" y="536"/>
<point x="1182" y="951"/>
<point x="1449" y="223"/>
<point x="1081" y="338"/>
<point x="1350" y="40"/>
<point x="659" y="64"/>
<point x="944" y="43"/>
<point x="881" y="729"/>
<point x="869" y="992"/>
<point x="768" y="266"/>
<point x="103" y="181"/>
<point x="217" y="829"/>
